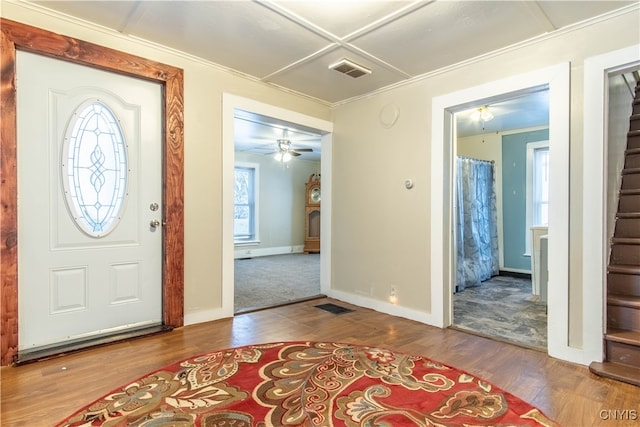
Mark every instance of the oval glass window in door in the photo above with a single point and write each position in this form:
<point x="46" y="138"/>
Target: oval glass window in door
<point x="94" y="168"/>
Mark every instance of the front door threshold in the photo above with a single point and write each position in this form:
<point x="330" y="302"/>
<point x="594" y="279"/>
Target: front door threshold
<point x="29" y="356"/>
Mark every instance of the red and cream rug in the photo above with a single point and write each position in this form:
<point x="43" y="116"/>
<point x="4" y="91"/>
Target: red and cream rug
<point x="308" y="384"/>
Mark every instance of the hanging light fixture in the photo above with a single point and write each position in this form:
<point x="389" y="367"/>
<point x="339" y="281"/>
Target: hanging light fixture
<point x="482" y="113"/>
<point x="283" y="155"/>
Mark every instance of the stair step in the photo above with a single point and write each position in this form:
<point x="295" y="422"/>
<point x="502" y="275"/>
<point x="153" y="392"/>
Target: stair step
<point x="630" y="192"/>
<point x="632" y="159"/>
<point x="623" y="336"/>
<point x="624" y="354"/>
<point x="628" y="215"/>
<point x="624" y="300"/>
<point x="633" y="139"/>
<point x="627" y="227"/>
<point x="631" y="181"/>
<point x="634" y="122"/>
<point x="626" y="240"/>
<point x="624" y="269"/>
<point x="629" y="171"/>
<point x="623" y="284"/>
<point x="623" y="317"/>
<point x="625" y="254"/>
<point x="629" y="202"/>
<point x="616" y="372"/>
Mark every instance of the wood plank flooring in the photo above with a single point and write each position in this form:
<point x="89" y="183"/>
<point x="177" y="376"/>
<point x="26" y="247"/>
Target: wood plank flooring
<point x="42" y="393"/>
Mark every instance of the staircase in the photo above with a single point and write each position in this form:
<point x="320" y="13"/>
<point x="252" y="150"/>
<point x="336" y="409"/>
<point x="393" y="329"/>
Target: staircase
<point x="622" y="339"/>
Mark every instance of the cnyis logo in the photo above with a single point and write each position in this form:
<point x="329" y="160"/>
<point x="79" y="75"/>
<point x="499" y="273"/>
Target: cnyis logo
<point x="619" y="414"/>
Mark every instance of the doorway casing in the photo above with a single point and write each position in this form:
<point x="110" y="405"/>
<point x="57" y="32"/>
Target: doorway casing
<point x="17" y="36"/>
<point x="229" y="104"/>
<point x="557" y="78"/>
<point x="595" y="255"/>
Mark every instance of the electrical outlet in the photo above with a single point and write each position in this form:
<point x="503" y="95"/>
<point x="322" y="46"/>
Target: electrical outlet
<point x="393" y="295"/>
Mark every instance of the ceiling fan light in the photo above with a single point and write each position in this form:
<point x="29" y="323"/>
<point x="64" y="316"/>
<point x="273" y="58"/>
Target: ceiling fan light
<point x="286" y="156"/>
<point x="482" y="113"/>
<point x="284" y="144"/>
<point x="278" y="156"/>
<point x="485" y="114"/>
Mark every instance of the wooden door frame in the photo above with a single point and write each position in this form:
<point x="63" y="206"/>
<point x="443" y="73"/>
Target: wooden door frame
<point x="16" y="36"/>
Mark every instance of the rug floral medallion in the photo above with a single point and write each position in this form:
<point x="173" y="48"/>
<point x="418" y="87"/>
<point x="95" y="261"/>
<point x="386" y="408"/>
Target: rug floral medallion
<point x="308" y="384"/>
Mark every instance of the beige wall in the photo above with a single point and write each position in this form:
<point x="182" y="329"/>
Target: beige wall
<point x="380" y="231"/>
<point x="204" y="85"/>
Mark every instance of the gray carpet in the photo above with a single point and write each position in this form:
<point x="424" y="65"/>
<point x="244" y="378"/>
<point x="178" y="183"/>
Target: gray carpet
<point x="276" y="279"/>
<point x="504" y="308"/>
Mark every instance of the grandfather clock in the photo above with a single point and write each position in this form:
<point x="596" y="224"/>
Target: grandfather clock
<point x="312" y="215"/>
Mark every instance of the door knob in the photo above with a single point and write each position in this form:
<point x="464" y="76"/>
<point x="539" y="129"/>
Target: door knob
<point x="154" y="223"/>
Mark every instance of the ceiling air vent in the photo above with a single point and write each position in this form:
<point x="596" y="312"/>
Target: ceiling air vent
<point x="349" y="68"/>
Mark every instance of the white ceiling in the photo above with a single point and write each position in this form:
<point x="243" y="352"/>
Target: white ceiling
<point x="291" y="44"/>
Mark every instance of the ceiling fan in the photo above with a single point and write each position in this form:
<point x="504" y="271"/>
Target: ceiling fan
<point x="285" y="151"/>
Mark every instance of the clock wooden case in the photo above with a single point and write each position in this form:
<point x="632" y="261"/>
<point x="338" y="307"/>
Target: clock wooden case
<point x="312" y="215"/>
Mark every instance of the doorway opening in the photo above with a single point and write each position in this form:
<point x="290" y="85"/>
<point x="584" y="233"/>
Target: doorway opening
<point x="274" y="119"/>
<point x="556" y="78"/>
<point x="273" y="161"/>
<point x="500" y="209"/>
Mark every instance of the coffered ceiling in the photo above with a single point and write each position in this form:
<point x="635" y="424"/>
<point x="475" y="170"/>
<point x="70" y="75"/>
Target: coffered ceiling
<point x="292" y="44"/>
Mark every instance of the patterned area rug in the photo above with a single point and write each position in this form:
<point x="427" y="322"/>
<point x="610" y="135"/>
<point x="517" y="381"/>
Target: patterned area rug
<point x="308" y="384"/>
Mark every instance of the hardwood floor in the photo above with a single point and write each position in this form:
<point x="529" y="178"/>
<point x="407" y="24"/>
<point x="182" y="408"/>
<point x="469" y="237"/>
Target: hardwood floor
<point x="42" y="393"/>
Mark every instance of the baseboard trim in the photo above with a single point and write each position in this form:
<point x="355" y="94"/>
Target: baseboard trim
<point x="248" y="252"/>
<point x="385" y="307"/>
<point x="518" y="274"/>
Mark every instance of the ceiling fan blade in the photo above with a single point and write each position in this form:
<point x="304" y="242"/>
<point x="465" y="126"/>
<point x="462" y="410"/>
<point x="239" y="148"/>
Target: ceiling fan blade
<point x="303" y="150"/>
<point x="294" y="154"/>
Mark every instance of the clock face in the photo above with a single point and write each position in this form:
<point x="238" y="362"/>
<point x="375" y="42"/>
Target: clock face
<point x="315" y="195"/>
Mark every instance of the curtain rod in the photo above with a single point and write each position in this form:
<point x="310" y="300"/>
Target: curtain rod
<point x="478" y="160"/>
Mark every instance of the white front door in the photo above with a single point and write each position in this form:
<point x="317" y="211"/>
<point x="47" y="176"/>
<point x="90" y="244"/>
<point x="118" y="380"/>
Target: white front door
<point x="89" y="202"/>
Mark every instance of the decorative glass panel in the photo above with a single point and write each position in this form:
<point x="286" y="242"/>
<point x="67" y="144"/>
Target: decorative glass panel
<point x="94" y="168"/>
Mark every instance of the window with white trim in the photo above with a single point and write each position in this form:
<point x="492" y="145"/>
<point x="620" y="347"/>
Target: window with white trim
<point x="245" y="223"/>
<point x="537" y="188"/>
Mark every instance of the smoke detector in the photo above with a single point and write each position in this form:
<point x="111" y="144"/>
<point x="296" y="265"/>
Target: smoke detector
<point x="350" y="68"/>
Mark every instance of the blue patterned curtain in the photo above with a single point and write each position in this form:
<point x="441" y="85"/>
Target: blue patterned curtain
<point x="476" y="220"/>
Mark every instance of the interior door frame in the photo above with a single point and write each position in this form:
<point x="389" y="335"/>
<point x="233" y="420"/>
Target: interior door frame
<point x="17" y="36"/>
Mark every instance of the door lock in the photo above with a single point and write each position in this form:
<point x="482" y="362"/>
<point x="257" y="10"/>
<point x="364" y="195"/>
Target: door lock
<point x="154" y="224"/>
